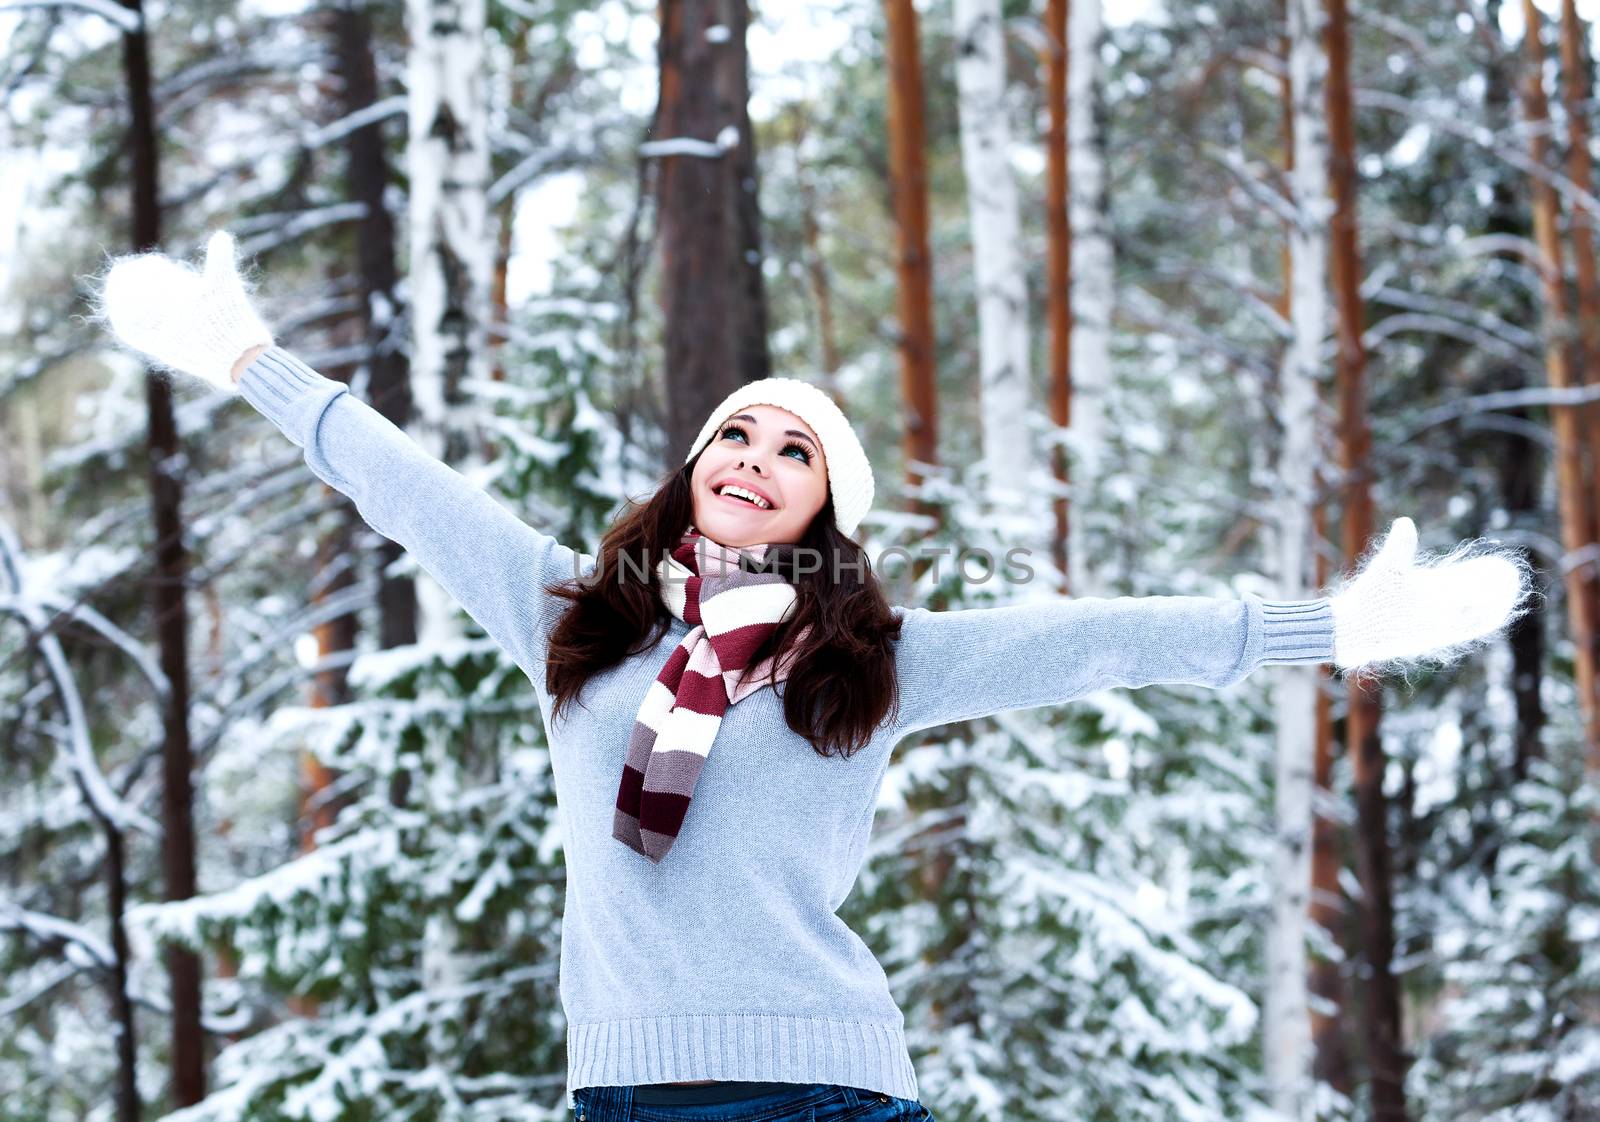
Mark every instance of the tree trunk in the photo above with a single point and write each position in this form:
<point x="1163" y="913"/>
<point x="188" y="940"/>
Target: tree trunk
<point x="817" y="278"/>
<point x="452" y="259"/>
<point x="389" y="385"/>
<point x="1001" y="283"/>
<point x="1287" y="1023"/>
<point x="1092" y="285"/>
<point x="908" y="176"/>
<point x="1058" y="288"/>
<point x="755" y="360"/>
<point x="451" y="247"/>
<point x="1520" y="479"/>
<point x="1576" y="90"/>
<point x="1573" y="501"/>
<point x="1330" y="1042"/>
<point x="380" y="325"/>
<point x="1521" y="464"/>
<point x="169" y="606"/>
<point x="712" y="295"/>
<point x="1380" y="1009"/>
<point x="122" y="1027"/>
<point x="1328" y="909"/>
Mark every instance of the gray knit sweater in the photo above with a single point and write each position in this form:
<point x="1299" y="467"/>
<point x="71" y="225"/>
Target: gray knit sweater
<point x="727" y="960"/>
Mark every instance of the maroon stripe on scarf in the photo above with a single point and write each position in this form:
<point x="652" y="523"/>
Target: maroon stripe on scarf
<point x="737" y="647"/>
<point x="632" y="787"/>
<point x="675" y="665"/>
<point x="701" y="694"/>
<point x="691" y="600"/>
<point x="663" y="812"/>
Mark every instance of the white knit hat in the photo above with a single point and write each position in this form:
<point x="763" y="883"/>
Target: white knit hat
<point x="849" y="473"/>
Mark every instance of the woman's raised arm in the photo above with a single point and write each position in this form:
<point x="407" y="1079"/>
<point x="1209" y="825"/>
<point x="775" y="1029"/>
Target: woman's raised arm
<point x="492" y="563"/>
<point x="201" y="322"/>
<point x="1396" y="611"/>
<point x="974" y="662"/>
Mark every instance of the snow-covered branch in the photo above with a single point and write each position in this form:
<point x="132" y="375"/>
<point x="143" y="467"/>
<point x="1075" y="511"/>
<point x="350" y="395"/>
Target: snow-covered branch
<point x="1501" y="400"/>
<point x="1247" y="287"/>
<point x="1144" y="308"/>
<point x="118" y="638"/>
<point x="1483" y="136"/>
<point x="182" y="919"/>
<point x="57" y="973"/>
<point x="727" y="140"/>
<point x="130" y="21"/>
<point x="287" y="229"/>
<point x="394" y="106"/>
<point x="1442" y="325"/>
<point x="81" y="947"/>
<point x="1234" y="164"/>
<point x="1508" y="333"/>
<point x="193" y="84"/>
<point x="539" y="162"/>
<point x="79" y="749"/>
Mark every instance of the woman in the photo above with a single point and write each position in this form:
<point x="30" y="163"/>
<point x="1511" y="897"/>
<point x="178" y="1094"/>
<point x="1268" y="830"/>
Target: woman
<point x="720" y="770"/>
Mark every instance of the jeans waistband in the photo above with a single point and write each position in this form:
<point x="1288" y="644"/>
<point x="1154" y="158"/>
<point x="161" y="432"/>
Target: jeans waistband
<point x="727" y="1091"/>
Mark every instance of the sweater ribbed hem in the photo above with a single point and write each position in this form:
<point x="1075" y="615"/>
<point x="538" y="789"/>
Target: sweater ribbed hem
<point x="679" y="1047"/>
<point x="1296" y="631"/>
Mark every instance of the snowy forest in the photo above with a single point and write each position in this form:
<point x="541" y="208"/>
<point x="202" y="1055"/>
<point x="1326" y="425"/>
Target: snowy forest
<point x="1183" y="298"/>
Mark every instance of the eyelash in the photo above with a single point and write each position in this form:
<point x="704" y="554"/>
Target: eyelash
<point x="792" y="444"/>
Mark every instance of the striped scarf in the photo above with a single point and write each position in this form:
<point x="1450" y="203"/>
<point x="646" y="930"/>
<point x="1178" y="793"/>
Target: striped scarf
<point x="731" y="612"/>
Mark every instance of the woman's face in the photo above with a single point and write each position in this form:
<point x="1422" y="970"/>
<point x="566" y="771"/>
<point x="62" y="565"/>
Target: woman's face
<point x="773" y="453"/>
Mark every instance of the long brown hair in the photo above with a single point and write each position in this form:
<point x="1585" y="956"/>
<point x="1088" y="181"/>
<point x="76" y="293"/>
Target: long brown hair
<point x="842" y="682"/>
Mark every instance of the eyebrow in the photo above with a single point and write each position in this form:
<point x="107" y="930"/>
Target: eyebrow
<point x="786" y="432"/>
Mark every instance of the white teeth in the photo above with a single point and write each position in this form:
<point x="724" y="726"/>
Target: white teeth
<point x="735" y="489"/>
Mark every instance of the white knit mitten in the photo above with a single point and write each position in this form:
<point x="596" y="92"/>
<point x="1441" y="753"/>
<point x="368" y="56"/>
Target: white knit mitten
<point x="197" y="321"/>
<point x="1394" y="608"/>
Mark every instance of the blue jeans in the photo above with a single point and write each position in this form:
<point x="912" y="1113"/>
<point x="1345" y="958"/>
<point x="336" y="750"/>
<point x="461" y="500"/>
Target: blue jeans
<point x="806" y="1102"/>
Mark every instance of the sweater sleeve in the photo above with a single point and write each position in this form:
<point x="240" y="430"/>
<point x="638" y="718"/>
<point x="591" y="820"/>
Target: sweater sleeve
<point x="973" y="662"/>
<point x="491" y="562"/>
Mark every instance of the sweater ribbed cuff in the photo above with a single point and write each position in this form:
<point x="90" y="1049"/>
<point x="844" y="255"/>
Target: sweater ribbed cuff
<point x="1296" y="631"/>
<point x="286" y="391"/>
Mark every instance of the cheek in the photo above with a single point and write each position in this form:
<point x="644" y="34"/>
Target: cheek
<point x="811" y="494"/>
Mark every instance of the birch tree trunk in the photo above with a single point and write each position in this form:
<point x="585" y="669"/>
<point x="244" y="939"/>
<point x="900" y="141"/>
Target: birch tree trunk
<point x="1093" y="291"/>
<point x="996" y="250"/>
<point x="817" y="278"/>
<point x="1287" y="1023"/>
<point x="452" y="260"/>
<point x="451" y="248"/>
<point x="1330" y="1061"/>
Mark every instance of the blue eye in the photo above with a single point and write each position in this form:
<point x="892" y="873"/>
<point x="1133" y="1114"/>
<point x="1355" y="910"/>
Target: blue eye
<point x="805" y="453"/>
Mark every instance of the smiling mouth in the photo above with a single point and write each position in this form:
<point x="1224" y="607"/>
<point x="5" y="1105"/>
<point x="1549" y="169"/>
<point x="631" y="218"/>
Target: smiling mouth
<point x="746" y="503"/>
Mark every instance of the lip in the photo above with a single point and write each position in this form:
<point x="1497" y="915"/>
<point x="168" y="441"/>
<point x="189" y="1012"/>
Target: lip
<point x="717" y="485"/>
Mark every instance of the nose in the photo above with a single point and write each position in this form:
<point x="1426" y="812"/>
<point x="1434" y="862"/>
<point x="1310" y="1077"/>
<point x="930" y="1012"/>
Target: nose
<point x="754" y="466"/>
